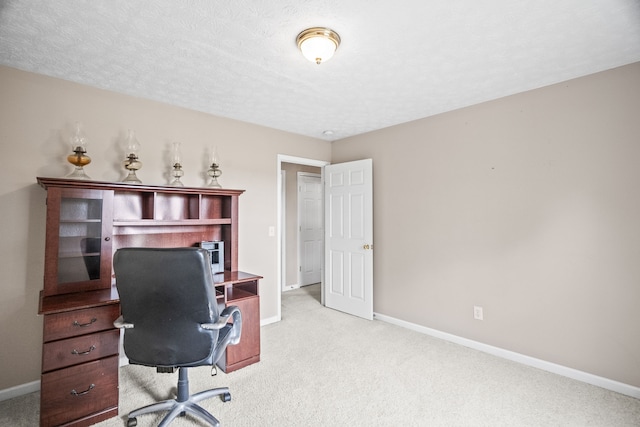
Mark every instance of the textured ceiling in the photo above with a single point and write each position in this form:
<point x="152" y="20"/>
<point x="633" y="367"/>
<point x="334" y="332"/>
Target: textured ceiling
<point x="399" y="61"/>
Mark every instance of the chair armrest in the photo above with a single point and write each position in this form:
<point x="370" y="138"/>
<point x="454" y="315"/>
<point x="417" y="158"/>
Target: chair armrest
<point x="121" y="324"/>
<point x="231" y="311"/>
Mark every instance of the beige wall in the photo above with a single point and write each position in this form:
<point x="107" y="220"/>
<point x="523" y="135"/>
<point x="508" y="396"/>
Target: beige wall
<point x="291" y="219"/>
<point x="35" y="112"/>
<point x="527" y="206"/>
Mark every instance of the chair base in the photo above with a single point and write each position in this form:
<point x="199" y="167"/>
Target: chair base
<point x="184" y="403"/>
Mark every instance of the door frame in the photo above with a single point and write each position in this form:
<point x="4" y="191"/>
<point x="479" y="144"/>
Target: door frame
<point x="283" y="158"/>
<point x="283" y="231"/>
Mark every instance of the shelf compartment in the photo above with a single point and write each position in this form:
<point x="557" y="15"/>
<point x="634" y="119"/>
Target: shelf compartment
<point x="177" y="207"/>
<point x="210" y="231"/>
<point x="78" y="210"/>
<point x="184" y="238"/>
<point x="234" y="294"/>
<point x="78" y="269"/>
<point x="130" y="205"/>
<point x="80" y="229"/>
<point x="216" y="207"/>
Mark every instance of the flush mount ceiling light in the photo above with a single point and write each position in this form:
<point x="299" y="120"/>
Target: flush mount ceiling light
<point x="318" y="44"/>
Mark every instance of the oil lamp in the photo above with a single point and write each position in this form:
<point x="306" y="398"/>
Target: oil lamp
<point x="131" y="163"/>
<point x="79" y="157"/>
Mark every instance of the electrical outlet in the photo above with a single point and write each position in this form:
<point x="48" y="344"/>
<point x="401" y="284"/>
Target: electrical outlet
<point x="477" y="312"/>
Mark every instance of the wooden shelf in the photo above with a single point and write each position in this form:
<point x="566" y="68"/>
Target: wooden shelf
<point x="106" y="185"/>
<point x="164" y="223"/>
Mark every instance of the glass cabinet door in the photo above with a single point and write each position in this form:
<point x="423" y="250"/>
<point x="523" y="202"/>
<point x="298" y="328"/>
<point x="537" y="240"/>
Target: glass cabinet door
<point x="80" y="240"/>
<point x="80" y="250"/>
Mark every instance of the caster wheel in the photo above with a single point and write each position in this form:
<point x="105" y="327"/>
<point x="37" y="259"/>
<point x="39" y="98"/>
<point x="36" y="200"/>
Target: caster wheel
<point x="226" y="397"/>
<point x="132" y="422"/>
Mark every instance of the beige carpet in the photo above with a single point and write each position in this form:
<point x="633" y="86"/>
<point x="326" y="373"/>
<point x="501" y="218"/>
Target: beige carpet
<point x="321" y="367"/>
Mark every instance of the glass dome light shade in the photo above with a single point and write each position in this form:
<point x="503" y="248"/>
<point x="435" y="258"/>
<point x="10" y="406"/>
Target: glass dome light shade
<point x="318" y="44"/>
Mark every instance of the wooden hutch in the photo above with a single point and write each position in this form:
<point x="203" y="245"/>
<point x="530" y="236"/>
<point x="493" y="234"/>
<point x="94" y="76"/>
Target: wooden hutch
<point x="87" y="221"/>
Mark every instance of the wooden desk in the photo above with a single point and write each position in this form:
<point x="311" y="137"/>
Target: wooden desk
<point x="81" y="348"/>
<point x="87" y="222"/>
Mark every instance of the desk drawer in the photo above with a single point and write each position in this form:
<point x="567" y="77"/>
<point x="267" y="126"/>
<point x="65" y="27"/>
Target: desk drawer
<point x="78" y="391"/>
<point x="79" y="322"/>
<point x="72" y="351"/>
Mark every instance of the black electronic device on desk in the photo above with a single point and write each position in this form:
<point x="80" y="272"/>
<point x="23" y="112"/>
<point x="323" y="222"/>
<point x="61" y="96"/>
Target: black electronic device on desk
<point x="216" y="253"/>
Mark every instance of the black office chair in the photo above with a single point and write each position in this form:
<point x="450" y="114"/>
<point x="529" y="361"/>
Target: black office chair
<point x="171" y="321"/>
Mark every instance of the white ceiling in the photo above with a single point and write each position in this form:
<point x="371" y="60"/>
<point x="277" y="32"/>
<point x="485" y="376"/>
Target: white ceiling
<point x="398" y="61"/>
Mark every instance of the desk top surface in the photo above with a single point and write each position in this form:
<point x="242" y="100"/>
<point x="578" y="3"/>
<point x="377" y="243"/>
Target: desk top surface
<point x="79" y="300"/>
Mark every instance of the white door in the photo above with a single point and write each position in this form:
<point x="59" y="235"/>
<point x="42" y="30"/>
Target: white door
<point x="349" y="237"/>
<point x="310" y="228"/>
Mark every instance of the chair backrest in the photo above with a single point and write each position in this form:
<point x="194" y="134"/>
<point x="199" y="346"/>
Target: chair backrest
<point x="167" y="293"/>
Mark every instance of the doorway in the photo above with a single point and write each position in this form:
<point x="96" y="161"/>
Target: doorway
<point x="288" y="229"/>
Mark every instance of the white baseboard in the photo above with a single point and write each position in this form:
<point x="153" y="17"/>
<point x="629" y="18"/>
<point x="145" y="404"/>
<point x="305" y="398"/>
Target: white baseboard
<point x="575" y="374"/>
<point x="19" y="390"/>
<point x="269" y="320"/>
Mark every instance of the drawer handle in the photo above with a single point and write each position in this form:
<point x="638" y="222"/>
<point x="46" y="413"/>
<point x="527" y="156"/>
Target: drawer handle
<point x="75" y="393"/>
<point x="83" y="325"/>
<point x="79" y="353"/>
